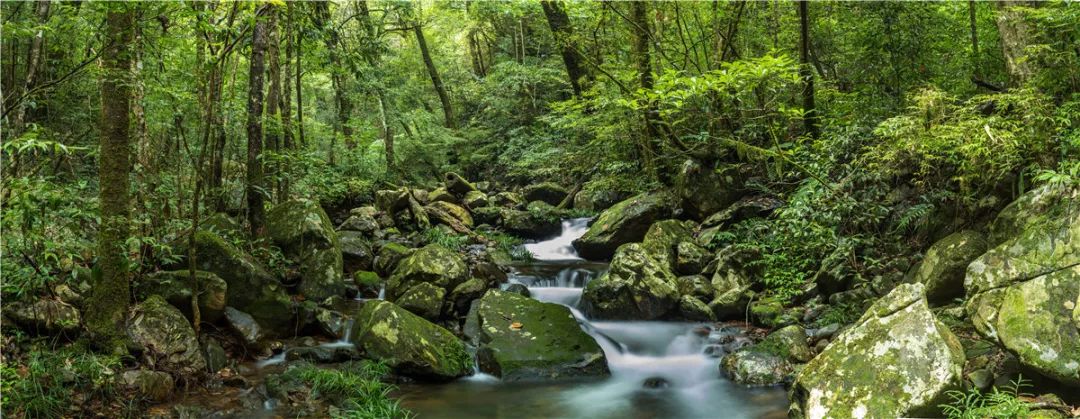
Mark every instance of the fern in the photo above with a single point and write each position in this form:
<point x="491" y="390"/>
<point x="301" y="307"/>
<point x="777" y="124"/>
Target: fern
<point x="998" y="403"/>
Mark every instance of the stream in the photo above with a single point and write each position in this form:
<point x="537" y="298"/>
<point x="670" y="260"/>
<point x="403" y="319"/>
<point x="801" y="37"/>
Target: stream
<point x="658" y="369"/>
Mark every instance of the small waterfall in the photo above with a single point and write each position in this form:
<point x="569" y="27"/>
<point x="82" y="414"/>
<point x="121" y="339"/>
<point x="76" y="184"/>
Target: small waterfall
<point x="561" y="247"/>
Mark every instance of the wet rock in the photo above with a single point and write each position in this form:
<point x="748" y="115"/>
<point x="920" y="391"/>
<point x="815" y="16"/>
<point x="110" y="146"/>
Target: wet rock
<point x="518" y="289"/>
<point x="432" y="264"/>
<point x="368" y="283"/>
<point x="597" y="200"/>
<point x="457" y="184"/>
<point x="451" y="215"/>
<point x="766" y="312"/>
<point x="151" y="385"/>
<point x="548" y="192"/>
<point x="789" y="343"/>
<point x="244" y="327"/>
<point x="704" y="190"/>
<point x="409" y="344"/>
<point x="489" y="272"/>
<point x="463" y="295"/>
<point x="167" y="340"/>
<point x="175" y="287"/>
<point x="304" y="233"/>
<point x="656" y="383"/>
<point x="521" y="338"/>
<point x="476" y="199"/>
<point x="424" y="300"/>
<point x="531" y="224"/>
<point x="390" y="254"/>
<point x="693" y="309"/>
<point x="824" y="332"/>
<point x="251" y="287"/>
<point x="626" y="222"/>
<point x="356" y="254"/>
<point x="508" y="200"/>
<point x="331" y="322"/>
<point x="45" y="316"/>
<point x="216" y="359"/>
<point x="943" y="268"/>
<point x="441" y="194"/>
<point x="897" y="360"/>
<point x="323" y="354"/>
<point x="755" y="368"/>
<point x="636" y="287"/>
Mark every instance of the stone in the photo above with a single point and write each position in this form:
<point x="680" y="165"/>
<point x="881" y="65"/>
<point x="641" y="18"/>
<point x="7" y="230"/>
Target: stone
<point x="388" y="258"/>
<point x="625" y="222"/>
<point x="244" y="327"/>
<point x="222" y="223"/>
<point x="151" y="385"/>
<point x="636" y="287"/>
<point x="45" y="316"/>
<point x="655" y="383"/>
<point x="693" y="309"/>
<point x="216" y="359"/>
<point x="487" y="215"/>
<point x="463" y="295"/>
<point x="943" y="268"/>
<point x="175" y="287"/>
<point x="475" y="199"/>
<point x="704" y="190"/>
<point x="166" y="338"/>
<point x="732" y="295"/>
<point x="766" y="312"/>
<point x="303" y="231"/>
<point x="788" y="342"/>
<point x="597" y="200"/>
<point x="360" y="223"/>
<point x="424" y="300"/>
<point x="457" y="184"/>
<point x="531" y="224"/>
<point x="519" y="338"/>
<point x="755" y="368"/>
<point x="409" y="344"/>
<point x="549" y="192"/>
<point x="356" y="253"/>
<point x="897" y="360"/>
<point x="451" y="215"/>
<point x="690" y="258"/>
<point x="519" y="289"/>
<point x="391" y="201"/>
<point x="508" y="200"/>
<point x="1031" y="210"/>
<point x="743" y="209"/>
<point x="696" y="286"/>
<point x="662" y="240"/>
<point x="432" y="264"/>
<point x="441" y="194"/>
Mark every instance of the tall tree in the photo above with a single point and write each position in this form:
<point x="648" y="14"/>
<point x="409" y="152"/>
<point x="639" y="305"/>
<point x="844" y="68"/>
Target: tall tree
<point x="440" y="89"/>
<point x="560" y="26"/>
<point x="255" y="186"/>
<point x="642" y="29"/>
<point x="1016" y="34"/>
<point x="806" y="73"/>
<point x="273" y="123"/>
<point x="33" y="64"/>
<point x="111" y="295"/>
<point x="338" y="75"/>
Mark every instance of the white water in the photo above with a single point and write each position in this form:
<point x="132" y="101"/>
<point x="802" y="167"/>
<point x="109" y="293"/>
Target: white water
<point x="561" y="247"/>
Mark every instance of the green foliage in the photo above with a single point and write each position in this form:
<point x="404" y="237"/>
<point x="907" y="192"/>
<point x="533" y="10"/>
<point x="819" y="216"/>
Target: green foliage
<point x="43" y="384"/>
<point x="998" y="403"/>
<point x="354" y="389"/>
<point x="843" y="313"/>
<point x="445" y="237"/>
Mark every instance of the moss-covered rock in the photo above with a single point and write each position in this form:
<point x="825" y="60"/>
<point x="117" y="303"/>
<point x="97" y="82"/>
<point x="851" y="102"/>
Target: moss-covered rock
<point x="175" y="287"/>
<point x="457" y="184"/>
<point x="441" y="194"/>
<point x="897" y="360"/>
<point x="388" y="258"/>
<point x="766" y="312"/>
<point x="693" y="309"/>
<point x="521" y="338"/>
<point x="943" y="268"/>
<point x="626" y="222"/>
<point x="690" y="258"/>
<point x="1034" y="209"/>
<point x="409" y="344"/>
<point x="304" y="233"/>
<point x="45" y="316"/>
<point x="356" y="253"/>
<point x="704" y="190"/>
<point x="463" y="295"/>
<point x="535" y="224"/>
<point x="597" y="200"/>
<point x="475" y="199"/>
<point x="391" y="201"/>
<point x="755" y="368"/>
<point x="246" y="329"/>
<point x="424" y="300"/>
<point x="167" y="340"/>
<point x="662" y="240"/>
<point x="636" y="287"/>
<point x="695" y="285"/>
<point x="449" y="214"/>
<point x="732" y="294"/>
<point x="432" y="264"/>
<point x="549" y="192"/>
<point x="508" y="200"/>
<point x="789" y="343"/>
<point x="151" y="385"/>
<point x="487" y="215"/>
<point x="251" y="287"/>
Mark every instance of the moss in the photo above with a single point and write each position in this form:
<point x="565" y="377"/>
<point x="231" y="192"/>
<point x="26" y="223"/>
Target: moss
<point x="408" y="343"/>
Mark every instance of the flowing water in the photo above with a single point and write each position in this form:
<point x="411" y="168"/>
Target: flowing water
<point x="683" y="381"/>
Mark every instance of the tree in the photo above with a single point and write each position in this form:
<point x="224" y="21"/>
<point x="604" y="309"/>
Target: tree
<point x="639" y="19"/>
<point x="1016" y="34"/>
<point x="806" y="73"/>
<point x="33" y="63"/>
<point x="255" y="186"/>
<point x="560" y="26"/>
<point x="440" y="89"/>
<point x="111" y="295"/>
<point x="338" y="76"/>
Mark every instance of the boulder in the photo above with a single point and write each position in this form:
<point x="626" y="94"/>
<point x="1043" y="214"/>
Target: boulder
<point x="222" y="223"/>
<point x="897" y="360"/>
<point x="166" y="338"/>
<point x="305" y="234"/>
<point x="696" y="286"/>
<point x="752" y="367"/>
<point x="943" y="268"/>
<point x="175" y="287"/>
<point x="454" y="216"/>
<point x="432" y="264"/>
<point x="356" y="254"/>
<point x="626" y="222"/>
<point x="487" y="215"/>
<point x="743" y="209"/>
<point x="789" y="343"/>
<point x="424" y="300"/>
<point x="508" y="200"/>
<point x="732" y="294"/>
<point x="151" y="385"/>
<point x="549" y="192"/>
<point x="662" y="240"/>
<point x="251" y="287"/>
<point x="409" y="344"/>
<point x="519" y="338"/>
<point x="441" y="195"/>
<point x="475" y="199"/>
<point x="704" y="190"/>
<point x="388" y="258"/>
<point x="391" y="201"/>
<point x="360" y="223"/>
<point x="597" y="200"/>
<point x="244" y="327"/>
<point x="44" y="316"/>
<point x="636" y="287"/>
<point x="693" y="309"/>
<point x="457" y="184"/>
<point x="463" y="295"/>
<point x="690" y="258"/>
<point x="1035" y="208"/>
<point x="530" y="225"/>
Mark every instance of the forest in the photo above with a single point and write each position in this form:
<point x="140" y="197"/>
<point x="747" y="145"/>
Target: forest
<point x="540" y="209"/>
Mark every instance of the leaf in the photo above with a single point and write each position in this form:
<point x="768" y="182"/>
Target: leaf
<point x="516" y="326"/>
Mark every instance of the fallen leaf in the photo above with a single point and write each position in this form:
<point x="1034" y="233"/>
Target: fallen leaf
<point x="515" y="325"/>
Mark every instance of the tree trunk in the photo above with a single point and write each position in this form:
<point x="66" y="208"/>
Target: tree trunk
<point x="33" y="62"/>
<point x="560" y="26"/>
<point x="388" y="134"/>
<point x="272" y="128"/>
<point x="299" y="86"/>
<point x="448" y="112"/>
<point x="255" y="185"/>
<point x="111" y="296"/>
<point x="643" y="61"/>
<point x="285" y="105"/>
<point x="1016" y="34"/>
<point x="337" y="75"/>
<point x="975" y="70"/>
<point x="806" y="73"/>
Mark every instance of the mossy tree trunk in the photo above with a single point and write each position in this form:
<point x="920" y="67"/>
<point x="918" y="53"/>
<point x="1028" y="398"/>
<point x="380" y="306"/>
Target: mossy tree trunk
<point x="255" y="187"/>
<point x="560" y="26"/>
<point x="440" y="88"/>
<point x="111" y="295"/>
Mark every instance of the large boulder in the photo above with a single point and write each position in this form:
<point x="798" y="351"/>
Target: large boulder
<point x="704" y="190"/>
<point x="166" y="338"/>
<point x="175" y="287"/>
<point x="475" y="199"/>
<point x="356" y="253"/>
<point x="441" y="195"/>
<point x="304" y="233"/>
<point x="732" y="294"/>
<point x="626" y="222"/>
<point x="530" y="224"/>
<point x="44" y="316"/>
<point x="389" y="256"/>
<point x="424" y="300"/>
<point x="549" y="192"/>
<point x="521" y="338"/>
<point x="1039" y="206"/>
<point x="662" y="240"/>
<point x="597" y="200"/>
<point x="753" y="367"/>
<point x="452" y="215"/>
<point x="897" y="360"/>
<point x="508" y="199"/>
<point x="432" y="264"/>
<point x="251" y="286"/>
<point x="636" y="287"/>
<point x="409" y="344"/>
<point x="391" y="200"/>
<point x="457" y="184"/>
<point x="942" y="270"/>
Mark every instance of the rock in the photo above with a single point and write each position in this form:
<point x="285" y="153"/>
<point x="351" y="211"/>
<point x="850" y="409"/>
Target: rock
<point x="655" y="383"/>
<point x="755" y="368"/>
<point x="222" y="223"/>
<point x="167" y="340"/>
<point x="476" y="199"/>
<point x="693" y="309"/>
<point x="365" y="211"/>
<point x="508" y="200"/>
<point x="732" y="295"/>
<point x="766" y="312"/>
<point x="548" y="192"/>
<point x="388" y="258"/>
<point x="1032" y="209"/>
<point x="487" y="215"/>
<point x="441" y="194"/>
<point x="331" y="322"/>
<point x="433" y="264"/>
<point x="252" y="288"/>
<point x="483" y="186"/>
<point x="521" y="338"/>
<point x="636" y="287"/>
<point x="518" y="289"/>
<point x="216" y="359"/>
<point x="789" y="343"/>
<point x="836" y="273"/>
<point x="457" y="184"/>
<point x="489" y="272"/>
<point x="463" y="295"/>
<point x="391" y="201"/>
<point x="244" y="327"/>
<point x="175" y="287"/>
<point x="743" y="209"/>
<point x="304" y="233"/>
<point x="662" y="240"/>
<point x="897" y="360"/>
<point x="690" y="258"/>
<point x="367" y="281"/>
<point x="455" y="217"/>
<point x="151" y="385"/>
<point x="45" y="316"/>
<point x="356" y="254"/>
<point x="594" y="200"/>
<point x="424" y="300"/>
<point x="695" y="285"/>
<point x="981" y="379"/>
<point x="705" y="190"/>
<point x="360" y="223"/>
<point x="943" y="268"/>
<point x="626" y="222"/>
<point x="531" y="225"/>
<point x="409" y="344"/>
